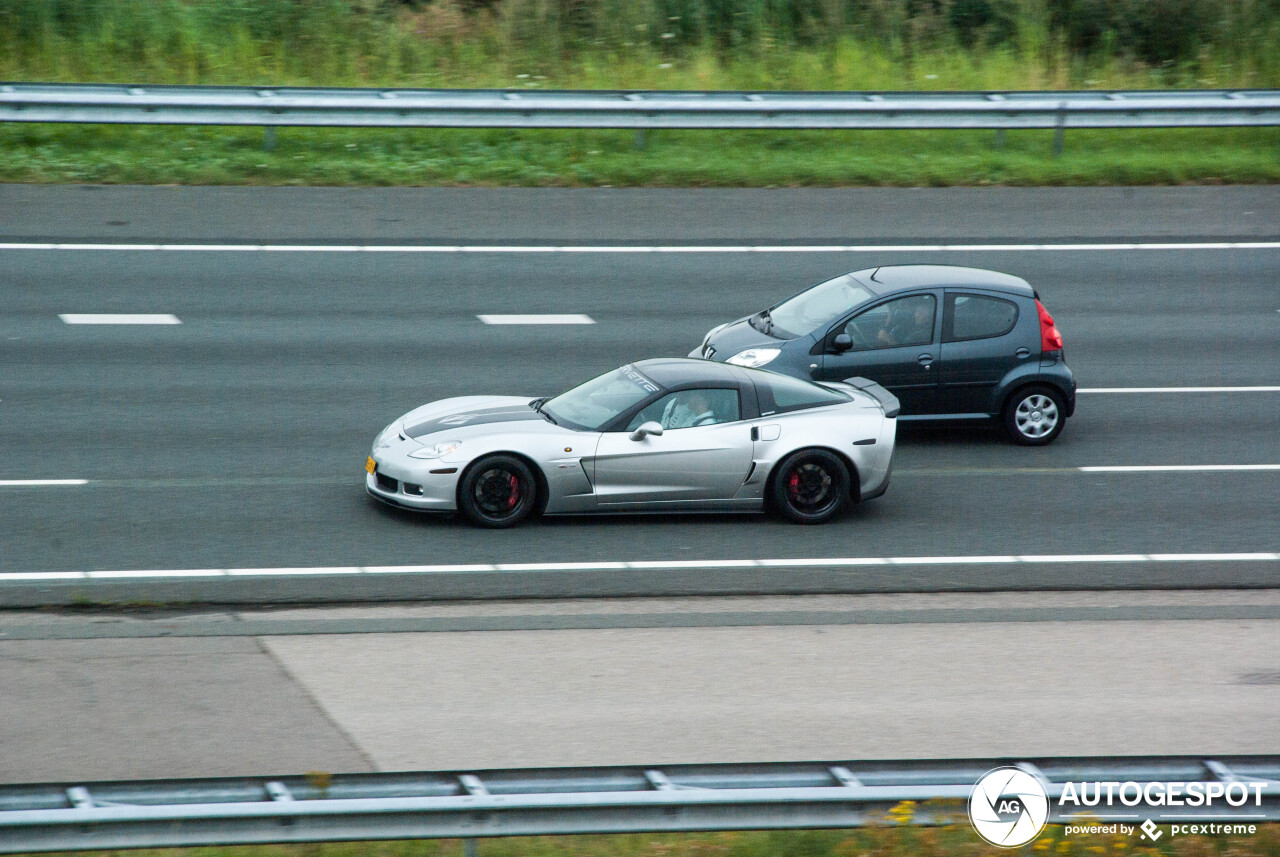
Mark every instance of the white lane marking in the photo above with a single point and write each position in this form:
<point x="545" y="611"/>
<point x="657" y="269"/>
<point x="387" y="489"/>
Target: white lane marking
<point x="152" y="573"/>
<point x="425" y="569"/>
<point x="1173" y="468"/>
<point x="560" y="566"/>
<point x="11" y="483"/>
<point x="45" y="575"/>
<point x="1262" y="389"/>
<point x="952" y="560"/>
<point x="328" y="570"/>
<point x="655" y="248"/>
<point x="118" y="318"/>
<point x="535" y="318"/>
<point x="1206" y="557"/>
<point x="516" y="568"/>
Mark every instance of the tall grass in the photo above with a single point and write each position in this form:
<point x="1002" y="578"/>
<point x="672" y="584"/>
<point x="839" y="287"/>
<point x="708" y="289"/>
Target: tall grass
<point x="767" y="44"/>
<point x="641" y="44"/>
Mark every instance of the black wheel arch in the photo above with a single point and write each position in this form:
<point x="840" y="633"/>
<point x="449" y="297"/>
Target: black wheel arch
<point x="540" y="477"/>
<point x="1035" y="382"/>
<point x="855" y="481"/>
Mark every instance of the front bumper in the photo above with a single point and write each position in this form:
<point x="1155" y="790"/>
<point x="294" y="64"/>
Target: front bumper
<point x="414" y="487"/>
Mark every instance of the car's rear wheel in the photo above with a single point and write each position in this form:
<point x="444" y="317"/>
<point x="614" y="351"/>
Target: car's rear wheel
<point x="497" y="491"/>
<point x="1034" y="416"/>
<point x="810" y="486"/>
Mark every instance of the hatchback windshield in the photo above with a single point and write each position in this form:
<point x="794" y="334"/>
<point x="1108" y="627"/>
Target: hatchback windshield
<point x="817" y="307"/>
<point x="595" y="403"/>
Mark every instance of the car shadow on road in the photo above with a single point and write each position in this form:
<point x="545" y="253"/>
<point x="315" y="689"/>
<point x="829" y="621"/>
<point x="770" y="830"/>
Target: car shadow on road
<point x="923" y="435"/>
<point x="722" y="521"/>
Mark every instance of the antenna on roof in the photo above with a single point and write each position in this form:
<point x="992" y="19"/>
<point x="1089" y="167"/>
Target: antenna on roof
<point x="873" y="274"/>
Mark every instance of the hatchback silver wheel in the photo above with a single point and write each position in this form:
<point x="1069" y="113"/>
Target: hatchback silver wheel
<point x="1036" y="416"/>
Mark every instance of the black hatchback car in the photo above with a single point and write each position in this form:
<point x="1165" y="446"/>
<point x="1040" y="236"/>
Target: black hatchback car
<point x="951" y="343"/>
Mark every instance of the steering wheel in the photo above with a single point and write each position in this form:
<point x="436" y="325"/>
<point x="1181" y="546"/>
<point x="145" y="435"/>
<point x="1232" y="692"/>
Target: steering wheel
<point x="856" y="336"/>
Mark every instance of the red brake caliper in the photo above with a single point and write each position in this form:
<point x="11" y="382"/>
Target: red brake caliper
<point x="793" y="484"/>
<point x="515" y="492"/>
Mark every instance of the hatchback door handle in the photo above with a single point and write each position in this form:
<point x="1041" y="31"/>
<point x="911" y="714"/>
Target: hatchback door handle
<point x="925" y="360"/>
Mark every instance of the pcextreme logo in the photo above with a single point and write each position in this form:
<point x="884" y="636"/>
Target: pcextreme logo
<point x="1008" y="807"/>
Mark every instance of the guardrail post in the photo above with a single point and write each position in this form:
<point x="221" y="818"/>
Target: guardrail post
<point x="268" y="139"/>
<point x="468" y="848"/>
<point x="1059" y="130"/>
<point x="999" y="143"/>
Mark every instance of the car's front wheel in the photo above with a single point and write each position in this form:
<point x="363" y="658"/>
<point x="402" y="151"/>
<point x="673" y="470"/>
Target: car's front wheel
<point x="1034" y="416"/>
<point x="497" y="491"/>
<point x="810" y="486"/>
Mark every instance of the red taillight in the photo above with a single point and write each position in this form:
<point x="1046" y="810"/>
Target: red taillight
<point x="1050" y="338"/>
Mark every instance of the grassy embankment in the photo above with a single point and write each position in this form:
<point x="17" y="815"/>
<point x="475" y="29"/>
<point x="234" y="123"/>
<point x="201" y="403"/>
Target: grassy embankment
<point x="957" y="841"/>
<point x="659" y="44"/>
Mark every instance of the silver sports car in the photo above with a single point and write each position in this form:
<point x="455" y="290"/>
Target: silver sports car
<point x="654" y="436"/>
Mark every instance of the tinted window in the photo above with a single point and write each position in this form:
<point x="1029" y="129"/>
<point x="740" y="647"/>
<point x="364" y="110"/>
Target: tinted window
<point x="591" y="405"/>
<point x="818" y="307"/>
<point x="895" y="323"/>
<point x="977" y="317"/>
<point x="689" y="408"/>
<point x="782" y="393"/>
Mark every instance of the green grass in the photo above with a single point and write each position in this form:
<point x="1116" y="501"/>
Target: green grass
<point x="117" y="154"/>
<point x="613" y="44"/>
<point x="956" y="841"/>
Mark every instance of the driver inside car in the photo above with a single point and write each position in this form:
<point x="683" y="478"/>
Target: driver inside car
<point x="687" y="410"/>
<point x="908" y="325"/>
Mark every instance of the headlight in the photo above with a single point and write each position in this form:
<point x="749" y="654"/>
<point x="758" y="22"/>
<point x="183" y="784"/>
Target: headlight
<point x="436" y="450"/>
<point x="754" y="357"/>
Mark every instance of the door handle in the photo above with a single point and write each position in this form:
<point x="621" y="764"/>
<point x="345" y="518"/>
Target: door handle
<point x="1023" y="353"/>
<point x="925" y="360"/>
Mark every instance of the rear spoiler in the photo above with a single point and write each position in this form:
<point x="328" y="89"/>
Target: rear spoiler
<point x="887" y="400"/>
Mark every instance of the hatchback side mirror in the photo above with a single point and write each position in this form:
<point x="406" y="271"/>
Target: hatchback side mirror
<point x="646" y="429"/>
<point x="842" y="343"/>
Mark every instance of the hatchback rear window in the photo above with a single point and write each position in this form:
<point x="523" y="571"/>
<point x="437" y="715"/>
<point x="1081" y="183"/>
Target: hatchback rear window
<point x="977" y="317"/>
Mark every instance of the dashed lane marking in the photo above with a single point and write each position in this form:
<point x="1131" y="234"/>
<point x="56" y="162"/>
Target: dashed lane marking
<point x="538" y="318"/>
<point x="118" y="318"/>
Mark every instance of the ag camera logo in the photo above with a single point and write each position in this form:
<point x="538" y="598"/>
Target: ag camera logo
<point x="1008" y="807"/>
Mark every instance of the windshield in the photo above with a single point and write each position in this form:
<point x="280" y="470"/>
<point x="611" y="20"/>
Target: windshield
<point x="593" y="404"/>
<point x="817" y="307"/>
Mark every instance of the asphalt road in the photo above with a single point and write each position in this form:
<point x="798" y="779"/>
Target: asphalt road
<point x="236" y="439"/>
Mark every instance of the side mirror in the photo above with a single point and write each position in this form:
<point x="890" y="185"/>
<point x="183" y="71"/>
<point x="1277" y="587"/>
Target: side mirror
<point x="646" y="429"/>
<point x="842" y="343"/>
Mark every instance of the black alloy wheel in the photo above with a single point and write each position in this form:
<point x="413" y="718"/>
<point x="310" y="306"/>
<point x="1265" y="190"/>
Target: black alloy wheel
<point x="810" y="486"/>
<point x="498" y="491"/>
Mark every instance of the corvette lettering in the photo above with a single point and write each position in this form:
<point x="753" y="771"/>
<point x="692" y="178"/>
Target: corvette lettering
<point x="638" y="379"/>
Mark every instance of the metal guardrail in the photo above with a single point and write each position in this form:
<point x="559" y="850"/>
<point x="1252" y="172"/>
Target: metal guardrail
<point x="457" y="108"/>
<point x="318" y="807"/>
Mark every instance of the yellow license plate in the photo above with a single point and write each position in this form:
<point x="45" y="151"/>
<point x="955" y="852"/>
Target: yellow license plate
<point x="370" y="465"/>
